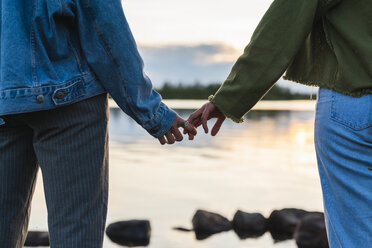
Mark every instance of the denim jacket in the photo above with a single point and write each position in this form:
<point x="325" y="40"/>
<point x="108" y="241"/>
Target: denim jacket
<point x="58" y="52"/>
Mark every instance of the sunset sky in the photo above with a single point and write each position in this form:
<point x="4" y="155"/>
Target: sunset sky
<point x="194" y="21"/>
<point x="193" y="40"/>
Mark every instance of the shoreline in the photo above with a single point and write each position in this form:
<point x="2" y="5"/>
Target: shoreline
<point x="266" y="105"/>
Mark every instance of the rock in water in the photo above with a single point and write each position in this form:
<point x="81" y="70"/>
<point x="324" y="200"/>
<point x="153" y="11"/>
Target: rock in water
<point x="311" y="232"/>
<point x="130" y="233"/>
<point x="206" y="223"/>
<point x="37" y="239"/>
<point x="248" y="225"/>
<point x="282" y="223"/>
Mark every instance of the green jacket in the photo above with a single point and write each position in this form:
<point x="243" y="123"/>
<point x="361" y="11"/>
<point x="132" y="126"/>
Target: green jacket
<point x="326" y="43"/>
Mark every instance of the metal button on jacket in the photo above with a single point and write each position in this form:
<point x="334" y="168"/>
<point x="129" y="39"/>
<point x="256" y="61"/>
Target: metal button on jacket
<point x="40" y="98"/>
<point x="60" y="95"/>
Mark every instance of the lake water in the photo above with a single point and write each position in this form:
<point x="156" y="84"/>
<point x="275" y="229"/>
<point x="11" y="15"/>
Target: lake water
<point x="266" y="163"/>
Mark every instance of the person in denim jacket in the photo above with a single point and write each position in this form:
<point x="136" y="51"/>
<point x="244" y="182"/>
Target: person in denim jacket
<point x="58" y="60"/>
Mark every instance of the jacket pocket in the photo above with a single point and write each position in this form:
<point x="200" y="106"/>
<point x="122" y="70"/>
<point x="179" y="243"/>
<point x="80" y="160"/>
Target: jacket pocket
<point x="353" y="112"/>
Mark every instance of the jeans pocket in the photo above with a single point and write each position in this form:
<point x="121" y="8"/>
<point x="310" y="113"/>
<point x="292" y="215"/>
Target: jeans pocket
<point x="353" y="112"/>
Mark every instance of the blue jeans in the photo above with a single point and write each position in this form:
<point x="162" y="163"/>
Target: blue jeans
<point x="343" y="140"/>
<point x="69" y="144"/>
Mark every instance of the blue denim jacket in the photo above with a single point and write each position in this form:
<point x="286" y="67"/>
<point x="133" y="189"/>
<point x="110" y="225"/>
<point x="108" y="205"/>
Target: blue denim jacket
<point x="57" y="52"/>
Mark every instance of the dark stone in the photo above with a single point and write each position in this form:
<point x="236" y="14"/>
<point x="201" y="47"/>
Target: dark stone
<point x="37" y="239"/>
<point x="249" y="225"/>
<point x="282" y="223"/>
<point x="311" y="232"/>
<point x="130" y="233"/>
<point x="206" y="223"/>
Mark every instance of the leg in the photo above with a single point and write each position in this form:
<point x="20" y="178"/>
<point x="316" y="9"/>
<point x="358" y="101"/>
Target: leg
<point x="18" y="169"/>
<point x="343" y="139"/>
<point x="71" y="147"/>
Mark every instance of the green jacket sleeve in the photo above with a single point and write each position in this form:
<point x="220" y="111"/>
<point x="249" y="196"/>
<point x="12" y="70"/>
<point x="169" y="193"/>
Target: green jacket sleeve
<point x="275" y="42"/>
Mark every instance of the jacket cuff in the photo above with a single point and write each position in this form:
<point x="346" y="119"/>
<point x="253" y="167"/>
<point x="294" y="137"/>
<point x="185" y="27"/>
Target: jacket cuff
<point x="223" y="107"/>
<point x="162" y="121"/>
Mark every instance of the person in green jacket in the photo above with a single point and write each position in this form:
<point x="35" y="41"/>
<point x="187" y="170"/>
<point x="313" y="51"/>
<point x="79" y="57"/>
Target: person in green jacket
<point x="325" y="43"/>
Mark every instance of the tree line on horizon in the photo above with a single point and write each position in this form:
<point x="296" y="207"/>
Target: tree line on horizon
<point x="199" y="91"/>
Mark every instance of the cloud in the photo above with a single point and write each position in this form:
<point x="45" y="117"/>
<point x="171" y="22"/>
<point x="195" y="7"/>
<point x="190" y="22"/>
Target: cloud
<point x="199" y="54"/>
<point x="185" y="63"/>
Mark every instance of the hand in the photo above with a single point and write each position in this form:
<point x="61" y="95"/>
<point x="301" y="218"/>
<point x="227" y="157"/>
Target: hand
<point x="205" y="113"/>
<point x="174" y="134"/>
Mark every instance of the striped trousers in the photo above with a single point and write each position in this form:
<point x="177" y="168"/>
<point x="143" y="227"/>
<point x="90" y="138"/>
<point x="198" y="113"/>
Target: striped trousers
<point x="70" y="145"/>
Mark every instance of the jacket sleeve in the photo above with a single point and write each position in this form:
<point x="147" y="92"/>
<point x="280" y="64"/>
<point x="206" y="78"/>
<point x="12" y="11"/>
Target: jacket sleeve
<point x="274" y="44"/>
<point x="111" y="52"/>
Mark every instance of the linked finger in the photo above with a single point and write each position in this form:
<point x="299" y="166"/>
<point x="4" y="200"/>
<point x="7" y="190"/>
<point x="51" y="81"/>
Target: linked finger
<point x="162" y="140"/>
<point x="204" y="120"/>
<point x="217" y="126"/>
<point x="195" y="116"/>
<point x="188" y="127"/>
<point x="177" y="134"/>
<point x="191" y="137"/>
<point x="170" y="138"/>
<point x="195" y="125"/>
<point x="191" y="129"/>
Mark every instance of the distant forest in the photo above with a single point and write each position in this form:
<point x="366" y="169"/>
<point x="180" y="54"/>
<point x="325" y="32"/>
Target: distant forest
<point x="199" y="91"/>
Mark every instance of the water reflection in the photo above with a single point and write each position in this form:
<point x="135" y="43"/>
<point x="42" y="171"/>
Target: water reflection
<point x="264" y="163"/>
<point x="268" y="162"/>
<point x="123" y="129"/>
